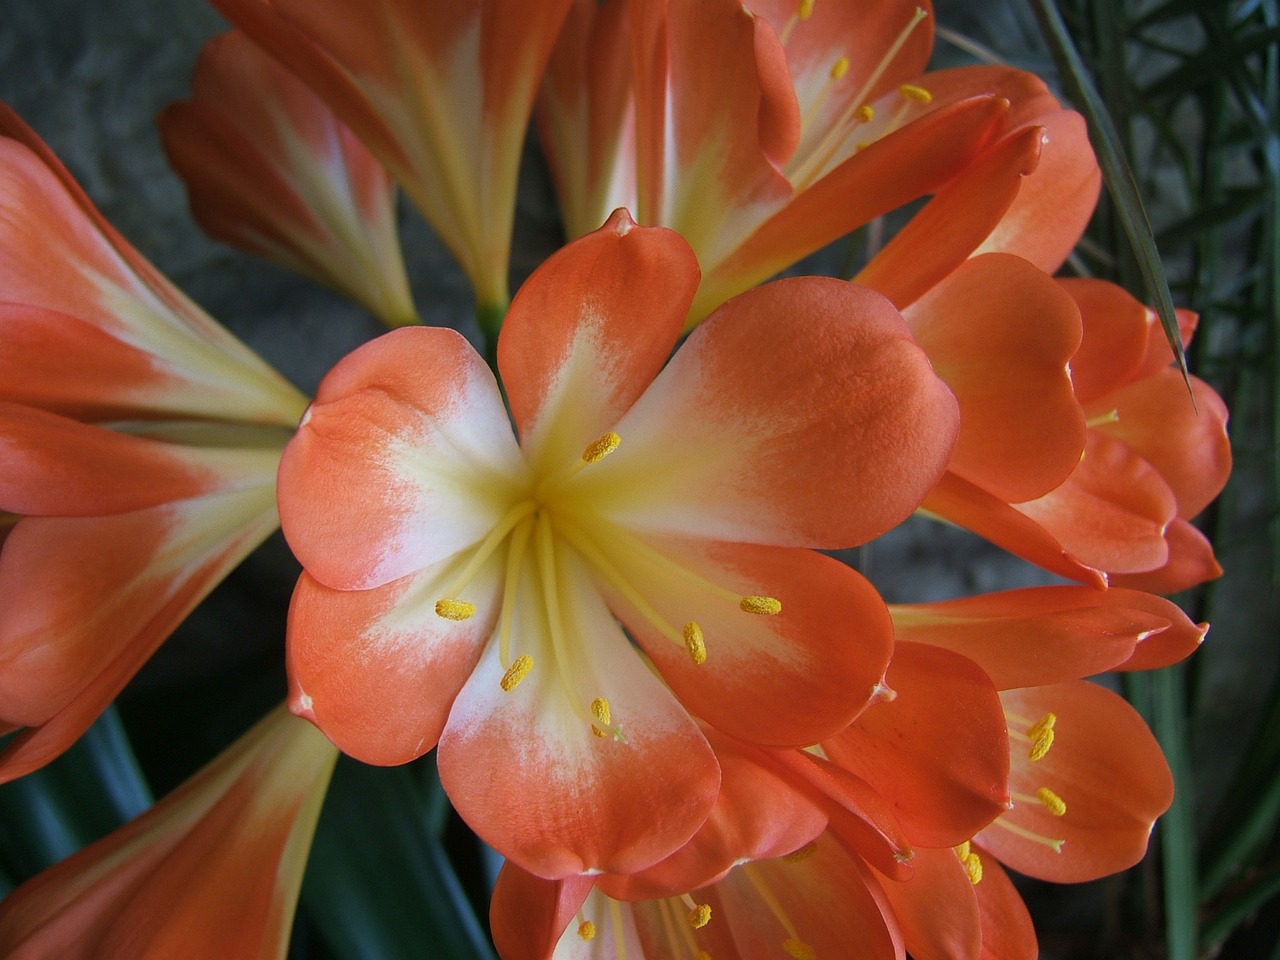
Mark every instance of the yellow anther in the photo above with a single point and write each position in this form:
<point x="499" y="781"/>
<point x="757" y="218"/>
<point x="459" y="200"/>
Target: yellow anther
<point x="973" y="867"/>
<point x="455" y="609"/>
<point x="866" y="113"/>
<point x="702" y="955"/>
<point x="917" y="94"/>
<point x="798" y="949"/>
<point x="803" y="853"/>
<point x="1044" y="723"/>
<point x="597" y="450"/>
<point x="804" y="9"/>
<point x="700" y="916"/>
<point x="1052" y="802"/>
<point x="600" y="710"/>
<point x="518" y="670"/>
<point x="695" y="644"/>
<point x="1041" y="744"/>
<point x="962" y="851"/>
<point x="839" y="68"/>
<point x="587" y="930"/>
<point x="765" y="606"/>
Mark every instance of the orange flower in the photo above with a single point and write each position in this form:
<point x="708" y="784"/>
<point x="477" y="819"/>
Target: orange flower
<point x="1152" y="461"/>
<point x="762" y="136"/>
<point x="270" y="169"/>
<point x="440" y="95"/>
<point x="140" y="442"/>
<point x="462" y="586"/>
<point x="211" y="871"/>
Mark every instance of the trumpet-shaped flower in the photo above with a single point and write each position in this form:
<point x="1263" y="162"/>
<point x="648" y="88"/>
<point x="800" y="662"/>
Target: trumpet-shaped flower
<point x="462" y="586"/>
<point x="140" y="442"/>
<point x="270" y="169"/>
<point x="1153" y="459"/>
<point x="441" y="95"/>
<point x="211" y="871"/>
<point x="763" y="135"/>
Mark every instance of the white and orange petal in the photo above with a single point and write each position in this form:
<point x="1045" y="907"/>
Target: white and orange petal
<point x="801" y="414"/>
<point x="588" y="332"/>
<point x="377" y="670"/>
<point x="586" y="763"/>
<point x="61" y="259"/>
<point x="405" y="457"/>
<point x="98" y="596"/>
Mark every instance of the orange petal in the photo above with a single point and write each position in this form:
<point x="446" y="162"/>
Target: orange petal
<point x="784" y="680"/>
<point x="86" y="601"/>
<point x="52" y="466"/>
<point x="947" y="229"/>
<point x="712" y="102"/>
<point x="1021" y="430"/>
<point x="937" y="909"/>
<point x="760" y="813"/>
<point x="1111" y="512"/>
<point x="442" y="99"/>
<point x="890" y="172"/>
<point x="937" y="751"/>
<point x="59" y="259"/>
<point x="585" y="122"/>
<point x="212" y="871"/>
<point x="527" y="914"/>
<point x="1107" y="769"/>
<point x="361" y="506"/>
<point x="377" y="670"/>
<point x="1007" y="930"/>
<point x="1184" y="438"/>
<point x="741" y="437"/>
<point x="1116" y="329"/>
<point x="969" y="506"/>
<point x="533" y="774"/>
<point x="1039" y="635"/>
<point x="271" y="170"/>
<point x="1191" y="562"/>
<point x="588" y="332"/>
<point x="1163" y="647"/>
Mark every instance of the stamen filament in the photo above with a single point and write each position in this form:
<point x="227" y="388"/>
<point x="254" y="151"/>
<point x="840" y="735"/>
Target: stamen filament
<point x="499" y="533"/>
<point x="1052" y="843"/>
<point x="544" y="547"/>
<point x="793" y="942"/>
<point x="820" y="156"/>
<point x="1111" y="416"/>
<point x="515" y="565"/>
<point x="619" y="935"/>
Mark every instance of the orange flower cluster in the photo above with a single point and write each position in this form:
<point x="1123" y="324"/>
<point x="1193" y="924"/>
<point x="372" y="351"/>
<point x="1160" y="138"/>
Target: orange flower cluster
<point x="592" y="574"/>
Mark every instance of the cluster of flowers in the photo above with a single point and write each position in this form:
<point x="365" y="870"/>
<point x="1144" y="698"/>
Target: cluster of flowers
<point x="689" y="732"/>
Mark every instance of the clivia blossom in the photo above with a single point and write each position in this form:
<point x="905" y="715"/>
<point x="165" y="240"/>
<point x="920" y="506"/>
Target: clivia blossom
<point x="761" y="135"/>
<point x="467" y="587"/>
<point x="440" y="93"/>
<point x="139" y="445"/>
<point x="211" y="871"/>
<point x="269" y="168"/>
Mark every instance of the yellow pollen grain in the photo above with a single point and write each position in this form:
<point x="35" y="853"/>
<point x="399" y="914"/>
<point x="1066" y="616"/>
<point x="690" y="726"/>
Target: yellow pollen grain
<point x="695" y="644"/>
<point x="600" y="710"/>
<point x="518" y="670"/>
<point x="765" y="606"/>
<point x="839" y="68"/>
<point x="973" y="867"/>
<point x="1041" y="744"/>
<point x="597" y="450"/>
<point x="962" y="851"/>
<point x="1044" y="723"/>
<point x="803" y="853"/>
<point x="866" y="113"/>
<point x="798" y="949"/>
<point x="916" y="94"/>
<point x="1052" y="802"/>
<point x="587" y="930"/>
<point x="700" y="916"/>
<point x="455" y="609"/>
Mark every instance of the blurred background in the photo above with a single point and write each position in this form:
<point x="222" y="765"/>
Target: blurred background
<point x="1192" y="87"/>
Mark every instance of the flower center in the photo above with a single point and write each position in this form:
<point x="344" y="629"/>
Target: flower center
<point x="826" y="142"/>
<point x="531" y="531"/>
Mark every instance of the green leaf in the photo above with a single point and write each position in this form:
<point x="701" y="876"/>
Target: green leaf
<point x="379" y="884"/>
<point x="1116" y="171"/>
<point x="1177" y="827"/>
<point x="83" y="795"/>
